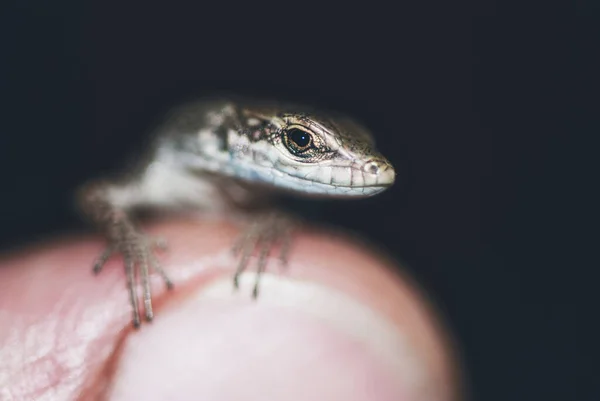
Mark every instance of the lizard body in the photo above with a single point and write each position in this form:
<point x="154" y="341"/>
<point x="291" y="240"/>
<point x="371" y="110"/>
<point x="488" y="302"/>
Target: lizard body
<point x="224" y="155"/>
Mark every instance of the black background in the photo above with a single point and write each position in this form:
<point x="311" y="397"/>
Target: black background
<point x="465" y="106"/>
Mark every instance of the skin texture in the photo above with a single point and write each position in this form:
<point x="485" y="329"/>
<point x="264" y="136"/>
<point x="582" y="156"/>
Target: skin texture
<point x="66" y="335"/>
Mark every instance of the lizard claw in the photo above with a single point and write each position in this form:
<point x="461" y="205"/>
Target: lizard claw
<point x="263" y="234"/>
<point x="138" y="253"/>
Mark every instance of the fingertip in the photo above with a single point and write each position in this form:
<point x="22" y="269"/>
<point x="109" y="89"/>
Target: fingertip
<point x="58" y="291"/>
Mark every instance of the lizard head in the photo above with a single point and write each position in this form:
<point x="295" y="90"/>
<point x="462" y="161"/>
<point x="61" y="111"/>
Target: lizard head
<point x="289" y="147"/>
<point x="309" y="153"/>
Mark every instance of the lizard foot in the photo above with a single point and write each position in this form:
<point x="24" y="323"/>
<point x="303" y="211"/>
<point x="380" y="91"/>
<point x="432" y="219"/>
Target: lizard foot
<point x="137" y="250"/>
<point x="263" y="234"/>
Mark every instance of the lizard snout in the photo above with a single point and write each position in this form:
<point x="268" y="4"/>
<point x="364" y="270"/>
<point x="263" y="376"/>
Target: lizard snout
<point x="381" y="171"/>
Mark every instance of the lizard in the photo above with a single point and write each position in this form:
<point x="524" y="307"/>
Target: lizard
<point x="222" y="155"/>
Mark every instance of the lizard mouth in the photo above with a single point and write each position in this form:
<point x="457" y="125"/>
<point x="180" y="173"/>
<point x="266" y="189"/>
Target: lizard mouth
<point x="349" y="181"/>
<point x="352" y="185"/>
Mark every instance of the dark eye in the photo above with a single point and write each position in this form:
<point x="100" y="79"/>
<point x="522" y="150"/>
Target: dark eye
<point x="300" y="138"/>
<point x="299" y="142"/>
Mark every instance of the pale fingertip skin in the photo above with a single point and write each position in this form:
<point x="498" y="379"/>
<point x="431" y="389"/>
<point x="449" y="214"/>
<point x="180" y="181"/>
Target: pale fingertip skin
<point x="65" y="333"/>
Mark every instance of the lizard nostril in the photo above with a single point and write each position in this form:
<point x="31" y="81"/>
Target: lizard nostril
<point x="372" y="167"/>
<point x="380" y="171"/>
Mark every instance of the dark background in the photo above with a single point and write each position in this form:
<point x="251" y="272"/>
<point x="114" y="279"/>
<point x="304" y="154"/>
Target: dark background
<point x="468" y="108"/>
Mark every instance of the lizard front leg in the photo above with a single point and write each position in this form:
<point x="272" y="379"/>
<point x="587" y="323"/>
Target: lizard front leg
<point x="264" y="233"/>
<point x="124" y="238"/>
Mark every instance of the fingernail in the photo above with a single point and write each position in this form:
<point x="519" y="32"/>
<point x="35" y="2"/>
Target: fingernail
<point x="298" y="340"/>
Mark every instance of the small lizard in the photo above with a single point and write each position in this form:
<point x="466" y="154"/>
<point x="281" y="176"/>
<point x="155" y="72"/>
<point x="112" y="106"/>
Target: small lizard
<point x="225" y="155"/>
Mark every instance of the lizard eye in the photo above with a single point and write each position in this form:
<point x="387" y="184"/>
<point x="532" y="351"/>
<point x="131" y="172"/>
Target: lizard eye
<point x="298" y="141"/>
<point x="300" y="138"/>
